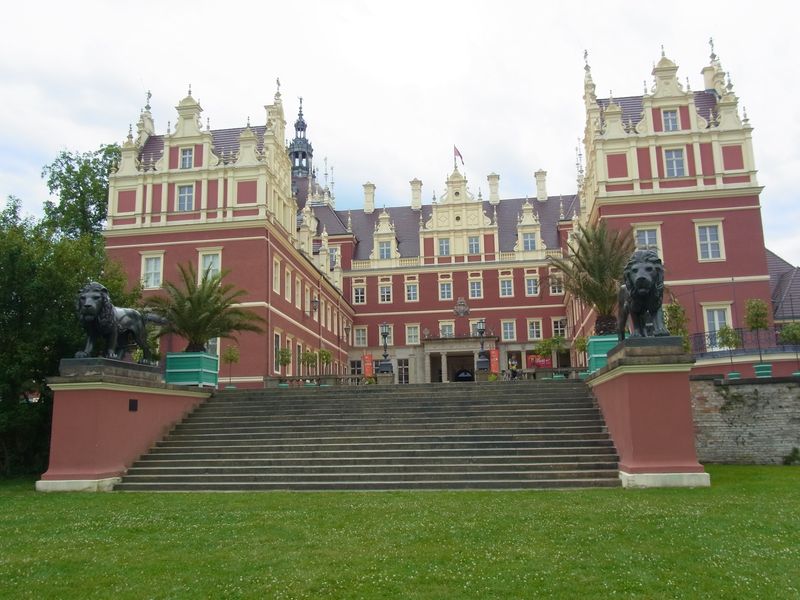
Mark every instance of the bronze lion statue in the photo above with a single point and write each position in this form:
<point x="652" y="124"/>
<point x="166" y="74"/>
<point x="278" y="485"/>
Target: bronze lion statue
<point x="641" y="296"/>
<point x="102" y="321"/>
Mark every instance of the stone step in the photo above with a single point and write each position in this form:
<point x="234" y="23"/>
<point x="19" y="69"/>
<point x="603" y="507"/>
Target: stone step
<point x="323" y="410"/>
<point x="324" y="396"/>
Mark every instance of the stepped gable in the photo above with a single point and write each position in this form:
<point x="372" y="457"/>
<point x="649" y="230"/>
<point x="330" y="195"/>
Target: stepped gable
<point x="535" y="434"/>
<point x="784" y="284"/>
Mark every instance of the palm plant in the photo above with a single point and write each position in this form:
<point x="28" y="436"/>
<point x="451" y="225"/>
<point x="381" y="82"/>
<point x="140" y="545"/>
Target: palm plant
<point x="200" y="311"/>
<point x="593" y="270"/>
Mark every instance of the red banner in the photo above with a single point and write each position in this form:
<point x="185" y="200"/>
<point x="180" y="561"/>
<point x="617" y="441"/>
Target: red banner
<point x="494" y="360"/>
<point x="366" y="365"/>
<point x="541" y="362"/>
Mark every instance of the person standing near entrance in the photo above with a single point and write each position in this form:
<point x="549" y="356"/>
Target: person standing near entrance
<point x="512" y="366"/>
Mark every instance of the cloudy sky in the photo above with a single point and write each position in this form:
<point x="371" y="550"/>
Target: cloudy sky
<point x="388" y="89"/>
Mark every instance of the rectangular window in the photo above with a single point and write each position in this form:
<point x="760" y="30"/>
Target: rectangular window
<point x="647" y="239"/>
<point x="531" y="286"/>
<point x="506" y="288"/>
<point x="556" y="284"/>
<point x="333" y="255"/>
<point x="298" y="292"/>
<point x="151" y="271"/>
<point x="412" y="334"/>
<point x="185" y="198"/>
<point x="709" y="241"/>
<point x="389" y="338"/>
<point x="360" y="336"/>
<point x="560" y="327"/>
<point x="444" y="247"/>
<point x="674" y="163"/>
<point x="412" y="292"/>
<point x="446" y="329"/>
<point x="355" y="367"/>
<point x="670" y="120"/>
<point x="287" y="285"/>
<point x="209" y="264"/>
<point x="534" y="329"/>
<point x="402" y="370"/>
<point x="474" y="244"/>
<point x="445" y="290"/>
<point x="384" y="294"/>
<point x="276" y="276"/>
<point x="716" y="317"/>
<point x="359" y="295"/>
<point x="509" y="330"/>
<point x="384" y="250"/>
<point x="186" y="158"/>
<point x="276" y="348"/>
<point x="476" y="289"/>
<point x="528" y="241"/>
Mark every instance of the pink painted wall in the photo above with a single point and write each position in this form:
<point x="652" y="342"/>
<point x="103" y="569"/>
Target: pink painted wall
<point x="95" y="436"/>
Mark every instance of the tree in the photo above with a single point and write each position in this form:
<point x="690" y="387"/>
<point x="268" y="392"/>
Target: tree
<point x="677" y="321"/>
<point x="581" y="344"/>
<point x="790" y="334"/>
<point x="284" y="357"/>
<point x="756" y="317"/>
<point x="593" y="270"/>
<point x="230" y="356"/>
<point x="325" y="358"/>
<point x="200" y="311"/>
<point x="729" y="338"/>
<point x="309" y="359"/>
<point x="40" y="276"/>
<point x="80" y="180"/>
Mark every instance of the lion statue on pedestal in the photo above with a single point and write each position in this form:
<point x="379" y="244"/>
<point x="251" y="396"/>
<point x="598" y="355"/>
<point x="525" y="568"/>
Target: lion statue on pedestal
<point x="641" y="296"/>
<point x="102" y="321"/>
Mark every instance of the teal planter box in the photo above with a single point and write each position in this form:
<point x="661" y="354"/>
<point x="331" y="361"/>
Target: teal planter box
<point x="763" y="370"/>
<point x="192" y="368"/>
<point x="597" y="350"/>
<point x="734" y="375"/>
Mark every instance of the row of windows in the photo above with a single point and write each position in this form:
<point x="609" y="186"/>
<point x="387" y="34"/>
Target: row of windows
<point x="412" y="290"/>
<point x="508" y="331"/>
<point x="208" y="262"/>
<point x="473" y="246"/>
<point x="708" y="237"/>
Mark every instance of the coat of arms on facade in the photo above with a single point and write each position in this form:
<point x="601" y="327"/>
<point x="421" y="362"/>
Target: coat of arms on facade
<point x="461" y="309"/>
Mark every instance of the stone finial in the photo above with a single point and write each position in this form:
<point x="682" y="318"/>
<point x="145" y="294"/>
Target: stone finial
<point x="147" y="104"/>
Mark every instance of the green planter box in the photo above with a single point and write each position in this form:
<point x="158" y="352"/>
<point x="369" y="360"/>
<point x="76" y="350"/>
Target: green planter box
<point x="192" y="368"/>
<point x="763" y="370"/>
<point x="597" y="350"/>
<point x="734" y="375"/>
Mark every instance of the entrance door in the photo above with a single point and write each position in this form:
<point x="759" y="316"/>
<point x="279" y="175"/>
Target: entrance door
<point x="716" y="318"/>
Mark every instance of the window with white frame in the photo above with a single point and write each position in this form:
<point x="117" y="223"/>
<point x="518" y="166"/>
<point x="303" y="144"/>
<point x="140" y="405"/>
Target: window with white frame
<point x="445" y="290"/>
<point x="359" y="294"/>
<point x="674" y="162"/>
<point x="360" y="336"/>
<point x="447" y="329"/>
<point x="560" y="327"/>
<point x="185" y="198"/>
<point x="385" y="293"/>
<point x="508" y="330"/>
<point x="556" y="284"/>
<point x="298" y="292"/>
<point x="528" y="241"/>
<point x="710" y="244"/>
<point x="276" y="275"/>
<point x="646" y="238"/>
<point x="670" y="120"/>
<point x="384" y="250"/>
<point x="390" y="337"/>
<point x="289" y="345"/>
<point x="276" y="350"/>
<point x="187" y="155"/>
<point x="412" y="334"/>
<point x="333" y="253"/>
<point x="152" y="270"/>
<point x="532" y="285"/>
<point x="444" y="246"/>
<point x="715" y="316"/>
<point x="287" y="285"/>
<point x="506" y="288"/>
<point x="534" y="329"/>
<point x="474" y="244"/>
<point x="412" y="292"/>
<point x="476" y="289"/>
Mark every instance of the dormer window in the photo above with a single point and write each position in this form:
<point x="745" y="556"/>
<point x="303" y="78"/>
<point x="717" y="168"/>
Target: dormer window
<point x="186" y="158"/>
<point x="384" y="250"/>
<point x="528" y="241"/>
<point x="670" y="120"/>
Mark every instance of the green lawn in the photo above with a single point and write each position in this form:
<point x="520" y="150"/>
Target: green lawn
<point x="738" y="539"/>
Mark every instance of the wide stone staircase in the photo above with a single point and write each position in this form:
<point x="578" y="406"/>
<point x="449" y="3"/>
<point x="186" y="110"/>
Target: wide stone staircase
<point x="509" y="435"/>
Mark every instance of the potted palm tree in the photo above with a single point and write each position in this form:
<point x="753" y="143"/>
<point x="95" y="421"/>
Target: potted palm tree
<point x="592" y="272"/>
<point x="728" y="337"/>
<point x="756" y="317"/>
<point x="198" y="311"/>
<point x="790" y="334"/>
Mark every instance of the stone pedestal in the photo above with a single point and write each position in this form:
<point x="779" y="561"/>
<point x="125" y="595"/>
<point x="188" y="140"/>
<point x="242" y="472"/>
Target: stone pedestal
<point x="107" y="413"/>
<point x="644" y="395"/>
<point x="385" y="378"/>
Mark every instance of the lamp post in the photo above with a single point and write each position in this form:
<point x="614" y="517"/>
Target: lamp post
<point x="483" y="359"/>
<point x="386" y="364"/>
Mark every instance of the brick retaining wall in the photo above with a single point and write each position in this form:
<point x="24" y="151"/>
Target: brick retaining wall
<point x="747" y="421"/>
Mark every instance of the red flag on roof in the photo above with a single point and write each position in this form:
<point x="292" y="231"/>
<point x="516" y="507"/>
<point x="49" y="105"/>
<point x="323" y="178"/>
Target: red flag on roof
<point x="456" y="153"/>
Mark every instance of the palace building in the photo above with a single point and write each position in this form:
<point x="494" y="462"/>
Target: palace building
<point x="673" y="164"/>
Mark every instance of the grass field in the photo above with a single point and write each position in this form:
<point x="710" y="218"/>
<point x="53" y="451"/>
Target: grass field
<point x="738" y="539"/>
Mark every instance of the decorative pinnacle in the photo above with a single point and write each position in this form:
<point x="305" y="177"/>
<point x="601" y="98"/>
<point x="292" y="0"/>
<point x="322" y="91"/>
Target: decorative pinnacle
<point x="190" y="89"/>
<point x="730" y="83"/>
<point x="644" y="83"/>
<point x="278" y="84"/>
<point x="688" y="85"/>
<point x="248" y="121"/>
<point x="711" y="43"/>
<point x="130" y="132"/>
<point x="662" y="51"/>
<point x="208" y="123"/>
<point x="586" y="66"/>
<point x="147" y="105"/>
<point x="169" y="123"/>
<point x="301" y="107"/>
<point x="745" y="119"/>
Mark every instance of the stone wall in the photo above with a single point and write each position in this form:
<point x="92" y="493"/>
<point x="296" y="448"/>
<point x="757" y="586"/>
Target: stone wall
<point x="746" y="421"/>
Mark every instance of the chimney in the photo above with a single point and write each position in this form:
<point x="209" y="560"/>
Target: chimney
<point x="494" y="184"/>
<point x="416" y="194"/>
<point x="541" y="187"/>
<point x="369" y="198"/>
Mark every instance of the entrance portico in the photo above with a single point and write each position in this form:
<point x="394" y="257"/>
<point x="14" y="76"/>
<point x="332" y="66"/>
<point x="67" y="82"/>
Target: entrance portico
<point x="445" y="357"/>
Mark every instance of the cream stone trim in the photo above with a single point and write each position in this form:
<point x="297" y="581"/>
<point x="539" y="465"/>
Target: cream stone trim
<point x="715" y="280"/>
<point x="660" y="480"/>
<point x="667" y="195"/>
<point x="243" y="223"/>
<point x="122" y="387"/>
<point x="77" y="485"/>
<point x="638" y="370"/>
<point x="740" y="359"/>
<point x="189" y="242"/>
<point x="450" y="310"/>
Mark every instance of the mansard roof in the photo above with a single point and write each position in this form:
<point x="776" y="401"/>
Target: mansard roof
<point x="784" y="283"/>
<point x="407" y="222"/>
<point x="705" y="102"/>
